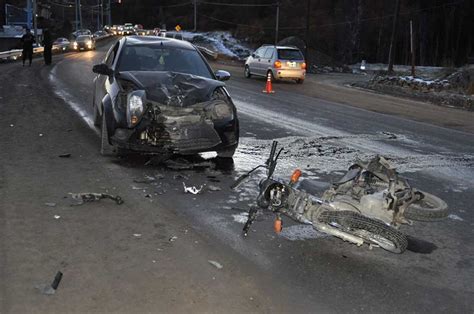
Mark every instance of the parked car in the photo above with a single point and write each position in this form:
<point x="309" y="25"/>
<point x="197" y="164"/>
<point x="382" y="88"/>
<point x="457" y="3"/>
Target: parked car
<point x="84" y="42"/>
<point x="281" y="62"/>
<point x="62" y="43"/>
<point x="159" y="95"/>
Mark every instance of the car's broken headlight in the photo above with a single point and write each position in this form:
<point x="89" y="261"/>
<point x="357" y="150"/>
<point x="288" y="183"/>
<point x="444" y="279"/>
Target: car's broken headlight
<point x="222" y="110"/>
<point x="135" y="107"/>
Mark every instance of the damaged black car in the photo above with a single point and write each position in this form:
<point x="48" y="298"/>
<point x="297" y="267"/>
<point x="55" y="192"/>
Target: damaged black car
<point x="160" y="96"/>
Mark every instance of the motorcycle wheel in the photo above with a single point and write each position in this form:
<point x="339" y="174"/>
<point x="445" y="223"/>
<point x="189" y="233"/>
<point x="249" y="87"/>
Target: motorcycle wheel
<point x="372" y="231"/>
<point x="427" y="209"/>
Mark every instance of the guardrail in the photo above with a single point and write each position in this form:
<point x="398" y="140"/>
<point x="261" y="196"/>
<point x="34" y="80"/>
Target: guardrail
<point x="16" y="53"/>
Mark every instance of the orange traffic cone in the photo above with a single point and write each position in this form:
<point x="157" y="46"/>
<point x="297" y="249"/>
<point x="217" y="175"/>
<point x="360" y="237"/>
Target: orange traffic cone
<point x="268" y="87"/>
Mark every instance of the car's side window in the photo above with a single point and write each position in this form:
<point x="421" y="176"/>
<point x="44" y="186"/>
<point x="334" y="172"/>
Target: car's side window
<point x="259" y="52"/>
<point x="268" y="53"/>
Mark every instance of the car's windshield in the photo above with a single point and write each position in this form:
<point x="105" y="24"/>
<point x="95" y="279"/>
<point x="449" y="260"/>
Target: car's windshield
<point x="159" y="58"/>
<point x="289" y="54"/>
<point x="83" y="38"/>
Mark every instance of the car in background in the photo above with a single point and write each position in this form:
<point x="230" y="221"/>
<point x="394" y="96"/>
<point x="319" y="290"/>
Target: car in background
<point x="280" y="62"/>
<point x="128" y="29"/>
<point x="120" y="30"/>
<point x="62" y="44"/>
<point x="99" y="34"/>
<point x="160" y="96"/>
<point x="84" y="42"/>
<point x="81" y="32"/>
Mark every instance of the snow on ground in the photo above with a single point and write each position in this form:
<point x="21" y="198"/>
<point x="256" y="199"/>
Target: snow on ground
<point x="220" y="41"/>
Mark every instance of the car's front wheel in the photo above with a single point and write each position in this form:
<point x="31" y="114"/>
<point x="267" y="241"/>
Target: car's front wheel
<point x="227" y="153"/>
<point x="247" y="72"/>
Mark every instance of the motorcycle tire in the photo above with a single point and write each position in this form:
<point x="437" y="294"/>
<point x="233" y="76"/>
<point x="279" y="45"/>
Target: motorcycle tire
<point x="429" y="208"/>
<point x="372" y="231"/>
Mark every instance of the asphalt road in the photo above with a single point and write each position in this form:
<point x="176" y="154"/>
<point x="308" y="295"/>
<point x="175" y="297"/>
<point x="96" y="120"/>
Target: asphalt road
<point x="125" y="258"/>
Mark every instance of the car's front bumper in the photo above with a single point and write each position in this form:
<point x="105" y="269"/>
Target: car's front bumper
<point x="178" y="137"/>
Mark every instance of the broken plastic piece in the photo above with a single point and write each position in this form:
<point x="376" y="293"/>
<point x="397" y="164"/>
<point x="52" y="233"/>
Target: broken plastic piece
<point x="51" y="289"/>
<point x="81" y="198"/>
<point x="50" y="204"/>
<point x="216" y="264"/>
<point x="65" y="155"/>
<point x="173" y="238"/>
<point x="56" y="216"/>
<point x="192" y="189"/>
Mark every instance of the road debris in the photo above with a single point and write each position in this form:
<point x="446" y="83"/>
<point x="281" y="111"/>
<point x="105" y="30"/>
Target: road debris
<point x="137" y="235"/>
<point x="184" y="164"/>
<point x="216" y="264"/>
<point x="180" y="176"/>
<point x="50" y="204"/>
<point x="82" y="198"/>
<point x="40" y="135"/>
<point x="56" y="216"/>
<point x="146" y="179"/>
<point x="50" y="289"/>
<point x="192" y="189"/>
<point x="213" y="188"/>
<point x="65" y="155"/>
<point x="173" y="238"/>
<point x="12" y="125"/>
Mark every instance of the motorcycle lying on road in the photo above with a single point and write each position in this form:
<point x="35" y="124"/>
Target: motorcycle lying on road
<point x="367" y="205"/>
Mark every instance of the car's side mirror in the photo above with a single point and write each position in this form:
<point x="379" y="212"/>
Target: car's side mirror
<point x="103" y="69"/>
<point x="222" y="75"/>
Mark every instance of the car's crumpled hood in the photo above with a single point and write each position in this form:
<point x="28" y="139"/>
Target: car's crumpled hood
<point x="171" y="88"/>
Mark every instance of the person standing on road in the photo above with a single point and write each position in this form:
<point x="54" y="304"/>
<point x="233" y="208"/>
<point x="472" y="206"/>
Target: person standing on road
<point x="27" y="40"/>
<point x="48" y="46"/>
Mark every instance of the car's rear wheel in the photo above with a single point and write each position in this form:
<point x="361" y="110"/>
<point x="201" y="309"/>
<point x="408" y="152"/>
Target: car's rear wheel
<point x="247" y="72"/>
<point x="299" y="81"/>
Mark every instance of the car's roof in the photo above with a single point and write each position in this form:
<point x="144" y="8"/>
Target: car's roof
<point x="170" y="42"/>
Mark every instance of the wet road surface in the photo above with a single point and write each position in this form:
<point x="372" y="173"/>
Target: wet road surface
<point x="311" y="271"/>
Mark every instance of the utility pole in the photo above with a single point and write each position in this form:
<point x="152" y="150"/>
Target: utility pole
<point x="98" y="14"/>
<point x="29" y="17"/>
<point x="308" y="10"/>
<point x="392" y="39"/>
<point x="109" y="18"/>
<point x="77" y="16"/>
<point x="102" y="13"/>
<point x="35" y="20"/>
<point x="412" y="50"/>
<point x="195" y="15"/>
<point x="79" y="7"/>
<point x="277" y="21"/>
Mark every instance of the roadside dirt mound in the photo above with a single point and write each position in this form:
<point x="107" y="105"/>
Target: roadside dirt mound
<point x="455" y="89"/>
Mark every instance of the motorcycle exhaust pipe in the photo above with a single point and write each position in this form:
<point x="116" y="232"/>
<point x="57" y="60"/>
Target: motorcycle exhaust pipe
<point x="339" y="234"/>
